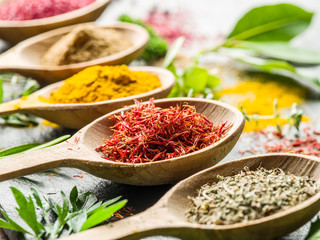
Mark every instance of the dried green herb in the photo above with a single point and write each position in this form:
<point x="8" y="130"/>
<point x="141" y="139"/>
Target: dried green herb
<point x="249" y="195"/>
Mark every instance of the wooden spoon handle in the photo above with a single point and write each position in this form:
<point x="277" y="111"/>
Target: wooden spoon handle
<point x="32" y="162"/>
<point x="26" y="105"/>
<point x="151" y="222"/>
<point x="10" y="107"/>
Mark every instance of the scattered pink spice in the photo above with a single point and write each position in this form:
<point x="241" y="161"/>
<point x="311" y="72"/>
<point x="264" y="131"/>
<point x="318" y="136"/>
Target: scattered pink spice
<point x="19" y="10"/>
<point x="171" y="25"/>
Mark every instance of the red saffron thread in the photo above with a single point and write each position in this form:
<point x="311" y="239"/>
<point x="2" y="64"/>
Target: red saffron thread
<point x="147" y="133"/>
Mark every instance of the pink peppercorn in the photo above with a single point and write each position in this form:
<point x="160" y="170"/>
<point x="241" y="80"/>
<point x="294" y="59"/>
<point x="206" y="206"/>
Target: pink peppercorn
<point x="19" y="10"/>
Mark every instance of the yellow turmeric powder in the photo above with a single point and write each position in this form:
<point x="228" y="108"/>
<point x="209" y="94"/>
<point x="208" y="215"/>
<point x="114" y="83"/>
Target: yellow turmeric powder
<point x="99" y="83"/>
<point x="257" y="97"/>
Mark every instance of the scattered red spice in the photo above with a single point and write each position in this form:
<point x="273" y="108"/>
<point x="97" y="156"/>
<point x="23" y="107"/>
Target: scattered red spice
<point x="79" y="175"/>
<point x="307" y="143"/>
<point x="69" y="148"/>
<point x="126" y="211"/>
<point x="76" y="140"/>
<point x="171" y="25"/>
<point x="147" y="133"/>
<point x="19" y="10"/>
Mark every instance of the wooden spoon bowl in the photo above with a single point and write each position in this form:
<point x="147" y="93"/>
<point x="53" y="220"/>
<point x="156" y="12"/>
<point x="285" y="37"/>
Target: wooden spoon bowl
<point x="167" y="217"/>
<point x="77" y="115"/>
<point x="25" y="57"/>
<point x="16" y="31"/>
<point x="79" y="151"/>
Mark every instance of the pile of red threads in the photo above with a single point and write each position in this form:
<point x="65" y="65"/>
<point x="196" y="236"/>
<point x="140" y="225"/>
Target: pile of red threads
<point x="147" y="133"/>
<point x="19" y="10"/>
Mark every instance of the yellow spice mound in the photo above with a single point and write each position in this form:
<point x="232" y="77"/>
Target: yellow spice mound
<point x="257" y="97"/>
<point x="100" y="83"/>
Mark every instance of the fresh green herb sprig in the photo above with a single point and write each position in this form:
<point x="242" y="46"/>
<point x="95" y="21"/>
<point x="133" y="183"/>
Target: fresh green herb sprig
<point x="269" y="37"/>
<point x="294" y="118"/>
<point x="30" y="86"/>
<point x="29" y="147"/>
<point x="194" y="81"/>
<point x="78" y="213"/>
<point x="157" y="46"/>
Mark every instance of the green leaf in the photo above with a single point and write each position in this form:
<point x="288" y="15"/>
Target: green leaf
<point x="213" y="81"/>
<point x="267" y="65"/>
<point x="36" y="196"/>
<point x="279" y="22"/>
<point x="102" y="215"/>
<point x="196" y="78"/>
<point x="17" y="149"/>
<point x="26" y="210"/>
<point x="11" y="224"/>
<point x="25" y="147"/>
<point x="284" y="51"/>
<point x="73" y="198"/>
<point x="173" y="51"/>
<point x="314" y="233"/>
<point x="50" y="143"/>
<point x="76" y="222"/>
<point x="107" y="203"/>
<point x="1" y="90"/>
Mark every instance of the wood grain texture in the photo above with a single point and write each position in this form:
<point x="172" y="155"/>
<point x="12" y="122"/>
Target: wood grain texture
<point x="79" y="151"/>
<point x="77" y="115"/>
<point x="17" y="31"/>
<point x="25" y="57"/>
<point x="167" y="217"/>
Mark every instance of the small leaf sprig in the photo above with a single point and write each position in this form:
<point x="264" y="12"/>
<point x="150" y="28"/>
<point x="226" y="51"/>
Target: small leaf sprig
<point x="30" y="86"/>
<point x="76" y="213"/>
<point x="193" y="81"/>
<point x="294" y="119"/>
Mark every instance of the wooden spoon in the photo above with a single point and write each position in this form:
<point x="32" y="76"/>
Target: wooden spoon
<point x="167" y="217"/>
<point x="77" y="115"/>
<point x="25" y="57"/>
<point x="79" y="151"/>
<point x="16" y="31"/>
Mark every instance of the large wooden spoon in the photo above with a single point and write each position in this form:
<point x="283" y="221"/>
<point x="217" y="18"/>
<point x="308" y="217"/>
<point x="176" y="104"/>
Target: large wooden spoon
<point x="167" y="217"/>
<point x="77" y="115"/>
<point x="79" y="151"/>
<point x="16" y="31"/>
<point x="25" y="57"/>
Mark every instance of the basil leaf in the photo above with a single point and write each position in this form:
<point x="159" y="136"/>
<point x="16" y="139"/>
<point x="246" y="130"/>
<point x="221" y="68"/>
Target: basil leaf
<point x="284" y="51"/>
<point x="280" y="22"/>
<point x="102" y="215"/>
